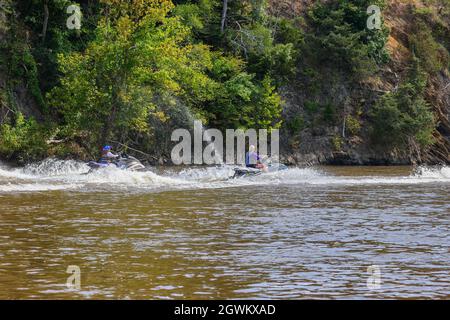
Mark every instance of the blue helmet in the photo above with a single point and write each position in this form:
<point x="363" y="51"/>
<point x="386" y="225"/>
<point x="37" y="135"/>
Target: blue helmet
<point x="107" y="148"/>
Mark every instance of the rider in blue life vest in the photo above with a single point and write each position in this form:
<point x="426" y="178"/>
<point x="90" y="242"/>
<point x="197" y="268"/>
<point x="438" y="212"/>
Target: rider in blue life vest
<point x="253" y="160"/>
<point x="107" y="155"/>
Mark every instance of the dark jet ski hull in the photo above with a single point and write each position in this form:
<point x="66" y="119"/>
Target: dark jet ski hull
<point x="128" y="163"/>
<point x="246" y="172"/>
<point x="251" y="172"/>
<point x="96" y="165"/>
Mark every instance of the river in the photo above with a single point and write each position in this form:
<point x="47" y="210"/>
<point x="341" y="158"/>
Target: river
<point x="319" y="232"/>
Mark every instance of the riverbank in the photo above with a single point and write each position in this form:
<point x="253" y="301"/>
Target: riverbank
<point x="71" y="175"/>
<point x="323" y="158"/>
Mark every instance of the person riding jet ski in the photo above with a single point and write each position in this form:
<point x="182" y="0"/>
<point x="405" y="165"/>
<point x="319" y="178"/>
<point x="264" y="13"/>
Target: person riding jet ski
<point x="253" y="159"/>
<point x="107" y="156"/>
<point x="256" y="165"/>
<point x="123" y="161"/>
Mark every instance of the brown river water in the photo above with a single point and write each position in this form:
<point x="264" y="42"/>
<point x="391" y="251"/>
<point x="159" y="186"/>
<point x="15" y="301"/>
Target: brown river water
<point x="195" y="234"/>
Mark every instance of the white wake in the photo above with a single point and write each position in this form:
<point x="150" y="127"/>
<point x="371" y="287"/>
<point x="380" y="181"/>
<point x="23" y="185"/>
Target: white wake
<point x="53" y="174"/>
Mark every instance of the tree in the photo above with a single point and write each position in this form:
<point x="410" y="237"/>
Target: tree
<point x="111" y="87"/>
<point x="402" y="116"/>
<point x="45" y="24"/>
<point x="340" y="40"/>
<point x="224" y="16"/>
<point x="143" y="69"/>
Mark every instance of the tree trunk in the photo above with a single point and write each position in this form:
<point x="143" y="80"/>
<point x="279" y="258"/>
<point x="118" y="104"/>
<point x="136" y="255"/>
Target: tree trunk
<point x="344" y="127"/>
<point x="108" y="127"/>
<point x="224" y="16"/>
<point x="45" y="24"/>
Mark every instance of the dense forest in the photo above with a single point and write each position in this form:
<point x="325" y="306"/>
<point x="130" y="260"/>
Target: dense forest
<point x="130" y="72"/>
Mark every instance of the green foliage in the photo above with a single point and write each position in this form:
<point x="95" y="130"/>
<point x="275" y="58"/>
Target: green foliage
<point x="250" y="33"/>
<point x="17" y="61"/>
<point x="255" y="42"/>
<point x="31" y="75"/>
<point x="296" y="124"/>
<point x="423" y="11"/>
<point x="197" y="16"/>
<point x="388" y="121"/>
<point x="58" y="38"/>
<point x="24" y="139"/>
<point x="430" y="39"/>
<point x="6" y="10"/>
<point x="433" y="57"/>
<point x="312" y="106"/>
<point x="140" y="64"/>
<point x="241" y="101"/>
<point x="111" y="87"/>
<point x="404" y="115"/>
<point x="191" y="15"/>
<point x="353" y="125"/>
<point x="325" y="113"/>
<point x="329" y="113"/>
<point x="337" y="143"/>
<point x="341" y="40"/>
<point x="138" y="69"/>
<point x="288" y="31"/>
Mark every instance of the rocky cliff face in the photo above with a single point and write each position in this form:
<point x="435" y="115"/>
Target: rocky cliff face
<point x="333" y="144"/>
<point x="398" y="18"/>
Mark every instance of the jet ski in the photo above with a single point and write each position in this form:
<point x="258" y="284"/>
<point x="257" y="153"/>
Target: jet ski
<point x="125" y="162"/>
<point x="252" y="172"/>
